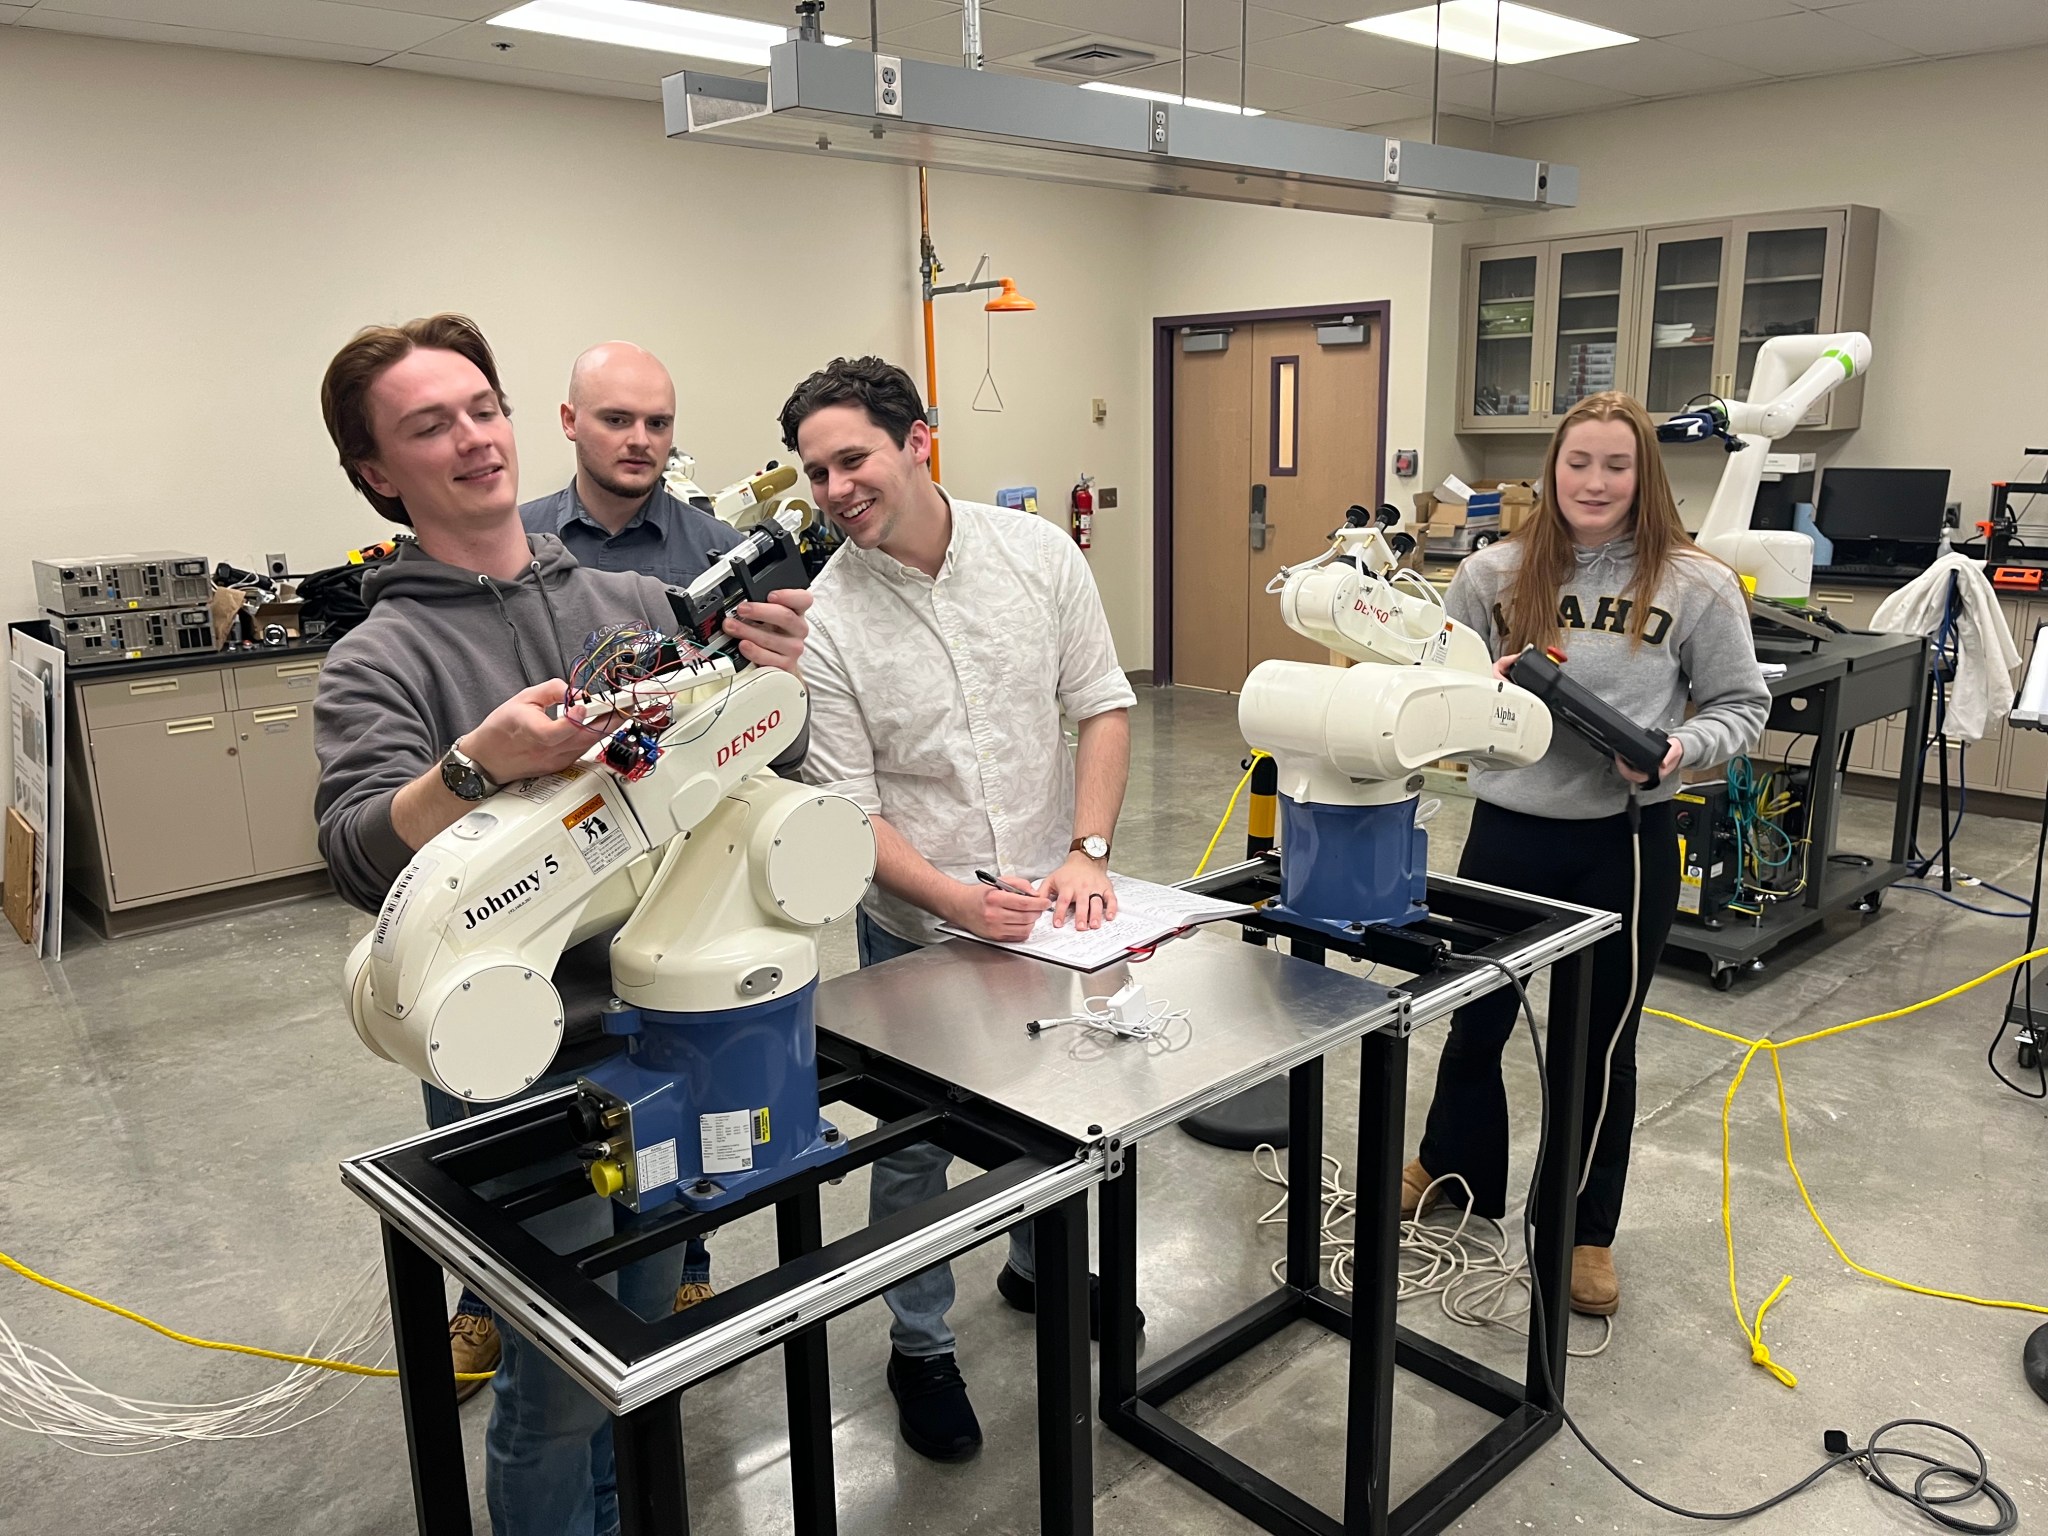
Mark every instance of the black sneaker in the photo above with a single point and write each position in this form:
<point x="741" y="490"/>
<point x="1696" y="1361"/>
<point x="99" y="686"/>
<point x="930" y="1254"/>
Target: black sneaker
<point x="932" y="1407"/>
<point x="1023" y="1295"/>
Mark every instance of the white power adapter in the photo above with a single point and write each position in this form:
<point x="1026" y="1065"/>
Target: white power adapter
<point x="1129" y="1005"/>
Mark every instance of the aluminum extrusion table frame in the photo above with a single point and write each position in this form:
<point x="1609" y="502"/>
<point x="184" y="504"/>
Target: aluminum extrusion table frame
<point x="445" y="1205"/>
<point x="1466" y="919"/>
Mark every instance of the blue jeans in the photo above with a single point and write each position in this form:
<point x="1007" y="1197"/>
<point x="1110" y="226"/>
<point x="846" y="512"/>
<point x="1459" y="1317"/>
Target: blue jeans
<point x="908" y="1178"/>
<point x="548" y="1467"/>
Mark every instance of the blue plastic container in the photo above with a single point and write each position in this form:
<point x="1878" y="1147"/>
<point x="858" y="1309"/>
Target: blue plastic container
<point x="1344" y="867"/>
<point x="728" y="1098"/>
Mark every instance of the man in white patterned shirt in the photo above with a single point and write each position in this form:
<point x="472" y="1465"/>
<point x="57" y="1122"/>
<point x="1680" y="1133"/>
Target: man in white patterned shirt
<point x="947" y="639"/>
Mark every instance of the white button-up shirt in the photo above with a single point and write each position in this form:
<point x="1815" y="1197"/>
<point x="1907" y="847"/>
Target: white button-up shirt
<point x="936" y="703"/>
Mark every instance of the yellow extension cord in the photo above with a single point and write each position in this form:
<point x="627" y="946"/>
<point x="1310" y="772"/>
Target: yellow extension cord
<point x="1753" y="1328"/>
<point x="346" y="1366"/>
<point x="1229" y="811"/>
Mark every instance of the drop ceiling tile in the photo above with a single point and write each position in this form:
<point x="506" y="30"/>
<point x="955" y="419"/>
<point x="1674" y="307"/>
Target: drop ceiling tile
<point x="497" y="73"/>
<point x="1663" y="18"/>
<point x="1002" y="37"/>
<point x="1935" y="30"/>
<point x="452" y="10"/>
<point x="10" y="14"/>
<point x="197" y="37"/>
<point x="1806" y="44"/>
<point x="1366" y="111"/>
<point x="538" y="52"/>
<point x="1212" y="24"/>
<point x="1522" y="94"/>
<point x="1357" y="59"/>
<point x="1215" y="79"/>
<point x="1340" y="11"/>
<point x="1649" y="68"/>
<point x="313" y="21"/>
<point x="843" y="18"/>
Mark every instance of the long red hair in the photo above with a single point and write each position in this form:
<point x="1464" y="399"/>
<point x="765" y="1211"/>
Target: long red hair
<point x="1530" y="603"/>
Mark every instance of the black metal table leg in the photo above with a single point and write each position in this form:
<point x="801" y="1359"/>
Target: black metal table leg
<point x="1375" y="1281"/>
<point x="1118" y="1258"/>
<point x="1305" y="1175"/>
<point x="807" y="1377"/>
<point x="1557" y="1195"/>
<point x="648" y="1446"/>
<point x="1066" y="1452"/>
<point x="426" y="1387"/>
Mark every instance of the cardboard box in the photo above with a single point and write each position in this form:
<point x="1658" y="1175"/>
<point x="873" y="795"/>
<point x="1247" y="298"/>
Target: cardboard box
<point x="1517" y="500"/>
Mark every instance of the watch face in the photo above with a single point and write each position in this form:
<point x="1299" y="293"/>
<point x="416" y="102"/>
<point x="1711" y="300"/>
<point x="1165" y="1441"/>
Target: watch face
<point x="1095" y="847"/>
<point x="464" y="779"/>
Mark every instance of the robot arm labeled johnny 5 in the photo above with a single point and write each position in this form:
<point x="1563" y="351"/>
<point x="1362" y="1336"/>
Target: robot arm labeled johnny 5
<point x="1793" y="374"/>
<point x="721" y="872"/>
<point x="1355" y="735"/>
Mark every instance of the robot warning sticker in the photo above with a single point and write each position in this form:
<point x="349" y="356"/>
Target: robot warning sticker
<point x="726" y="1141"/>
<point x="656" y="1165"/>
<point x="541" y="790"/>
<point x="594" y="828"/>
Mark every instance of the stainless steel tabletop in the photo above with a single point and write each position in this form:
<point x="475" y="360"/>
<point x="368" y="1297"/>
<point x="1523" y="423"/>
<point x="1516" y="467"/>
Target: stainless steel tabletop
<point x="957" y="1011"/>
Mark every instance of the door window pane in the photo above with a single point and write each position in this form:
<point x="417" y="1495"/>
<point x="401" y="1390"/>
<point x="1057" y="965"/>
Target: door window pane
<point x="1286" y="444"/>
<point x="1505" y="363"/>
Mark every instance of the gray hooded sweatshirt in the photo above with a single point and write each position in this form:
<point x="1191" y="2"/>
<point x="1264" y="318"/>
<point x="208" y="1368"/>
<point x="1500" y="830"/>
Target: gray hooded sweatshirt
<point x="442" y="647"/>
<point x="1696" y="648"/>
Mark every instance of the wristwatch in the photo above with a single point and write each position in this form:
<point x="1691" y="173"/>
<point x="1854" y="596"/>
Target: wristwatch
<point x="1094" y="847"/>
<point x="464" y="778"/>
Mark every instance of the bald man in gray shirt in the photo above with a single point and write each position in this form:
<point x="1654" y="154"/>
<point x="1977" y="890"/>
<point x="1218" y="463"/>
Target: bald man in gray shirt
<point x="616" y="515"/>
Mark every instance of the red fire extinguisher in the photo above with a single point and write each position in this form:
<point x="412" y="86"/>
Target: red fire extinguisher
<point x="1081" y="512"/>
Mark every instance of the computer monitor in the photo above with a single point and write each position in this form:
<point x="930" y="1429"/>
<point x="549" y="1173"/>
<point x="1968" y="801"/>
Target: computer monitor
<point x="1901" y="506"/>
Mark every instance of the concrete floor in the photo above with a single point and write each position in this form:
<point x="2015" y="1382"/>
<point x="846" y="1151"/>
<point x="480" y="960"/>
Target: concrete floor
<point x="177" y="1106"/>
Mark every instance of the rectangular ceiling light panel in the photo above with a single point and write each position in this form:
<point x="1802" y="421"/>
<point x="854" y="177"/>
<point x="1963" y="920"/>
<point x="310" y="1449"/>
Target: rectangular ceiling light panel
<point x="658" y="28"/>
<point x="1469" y="27"/>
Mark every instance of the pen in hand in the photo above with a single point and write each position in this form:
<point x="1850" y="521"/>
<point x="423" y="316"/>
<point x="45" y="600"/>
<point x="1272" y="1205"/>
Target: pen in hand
<point x="997" y="882"/>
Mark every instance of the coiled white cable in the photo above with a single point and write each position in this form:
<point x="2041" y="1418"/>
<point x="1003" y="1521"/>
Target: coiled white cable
<point x="42" y="1395"/>
<point x="1476" y="1280"/>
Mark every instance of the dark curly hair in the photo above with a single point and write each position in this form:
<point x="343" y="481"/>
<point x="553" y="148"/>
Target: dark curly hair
<point x="880" y="388"/>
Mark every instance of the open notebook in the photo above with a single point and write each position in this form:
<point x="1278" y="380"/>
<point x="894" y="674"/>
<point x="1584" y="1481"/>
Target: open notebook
<point x="1146" y="913"/>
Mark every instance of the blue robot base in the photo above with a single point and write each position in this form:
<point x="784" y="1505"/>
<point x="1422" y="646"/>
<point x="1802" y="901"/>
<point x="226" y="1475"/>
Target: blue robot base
<point x="1344" y="868"/>
<point x="716" y="1104"/>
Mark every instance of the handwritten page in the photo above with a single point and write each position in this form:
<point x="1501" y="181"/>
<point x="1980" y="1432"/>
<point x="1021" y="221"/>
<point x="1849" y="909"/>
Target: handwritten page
<point x="1146" y="913"/>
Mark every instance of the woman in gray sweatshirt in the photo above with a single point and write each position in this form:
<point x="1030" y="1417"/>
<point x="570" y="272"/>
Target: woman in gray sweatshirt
<point x="1605" y="572"/>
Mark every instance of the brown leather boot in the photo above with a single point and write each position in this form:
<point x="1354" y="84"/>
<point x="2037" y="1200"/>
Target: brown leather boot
<point x="1414" y="1180"/>
<point x="473" y="1341"/>
<point x="1596" y="1290"/>
<point x="690" y="1292"/>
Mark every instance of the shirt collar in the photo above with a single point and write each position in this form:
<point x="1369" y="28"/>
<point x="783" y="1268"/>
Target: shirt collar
<point x="889" y="567"/>
<point x="574" y="510"/>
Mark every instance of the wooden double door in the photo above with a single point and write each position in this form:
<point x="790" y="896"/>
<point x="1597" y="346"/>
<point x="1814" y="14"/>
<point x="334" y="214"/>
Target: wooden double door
<point x="1276" y="431"/>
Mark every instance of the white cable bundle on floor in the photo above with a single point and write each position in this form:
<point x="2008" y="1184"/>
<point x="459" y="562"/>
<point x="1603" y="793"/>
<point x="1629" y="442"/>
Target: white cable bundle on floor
<point x="1475" y="1279"/>
<point x="39" y="1393"/>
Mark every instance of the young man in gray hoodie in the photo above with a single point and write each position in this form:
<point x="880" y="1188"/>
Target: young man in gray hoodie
<point x="439" y="696"/>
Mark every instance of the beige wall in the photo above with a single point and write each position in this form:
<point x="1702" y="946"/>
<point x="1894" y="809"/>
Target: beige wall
<point x="190" y="233"/>
<point x="1950" y="154"/>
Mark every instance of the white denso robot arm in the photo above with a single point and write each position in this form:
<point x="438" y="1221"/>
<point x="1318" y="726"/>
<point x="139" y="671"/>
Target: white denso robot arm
<point x="1792" y="374"/>
<point x="724" y="870"/>
<point x="1354" y="735"/>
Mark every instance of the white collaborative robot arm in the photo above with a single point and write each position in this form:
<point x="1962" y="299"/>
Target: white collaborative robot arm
<point x="1793" y="374"/>
<point x="721" y="872"/>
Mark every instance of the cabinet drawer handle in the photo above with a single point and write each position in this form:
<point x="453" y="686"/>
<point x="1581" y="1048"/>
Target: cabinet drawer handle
<point x="298" y="668"/>
<point x="187" y="727"/>
<point x="277" y="712"/>
<point x="161" y="685"/>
